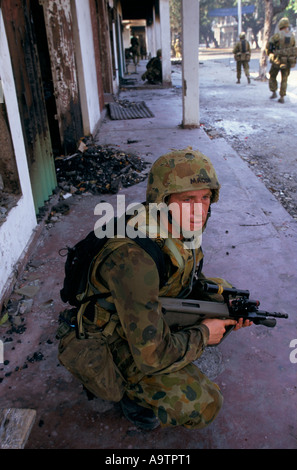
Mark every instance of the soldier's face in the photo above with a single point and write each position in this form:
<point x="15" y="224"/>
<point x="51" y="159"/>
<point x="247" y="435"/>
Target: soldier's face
<point x="190" y="209"/>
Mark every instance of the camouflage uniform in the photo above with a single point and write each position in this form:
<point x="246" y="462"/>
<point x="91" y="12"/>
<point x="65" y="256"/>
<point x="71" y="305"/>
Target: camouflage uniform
<point x="282" y="54"/>
<point x="153" y="72"/>
<point x="135" y="50"/>
<point x="242" y="55"/>
<point x="156" y="362"/>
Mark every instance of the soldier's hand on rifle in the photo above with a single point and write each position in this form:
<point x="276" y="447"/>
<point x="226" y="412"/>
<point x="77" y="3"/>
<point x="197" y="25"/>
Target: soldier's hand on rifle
<point x="217" y="328"/>
<point x="242" y="324"/>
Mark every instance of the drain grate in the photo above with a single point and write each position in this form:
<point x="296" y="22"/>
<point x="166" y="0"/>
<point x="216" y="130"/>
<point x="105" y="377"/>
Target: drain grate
<point x="132" y="111"/>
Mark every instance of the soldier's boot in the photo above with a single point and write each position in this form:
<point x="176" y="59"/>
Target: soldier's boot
<point x="238" y="80"/>
<point x="142" y="417"/>
<point x="274" y="95"/>
<point x="249" y="80"/>
<point x="281" y="99"/>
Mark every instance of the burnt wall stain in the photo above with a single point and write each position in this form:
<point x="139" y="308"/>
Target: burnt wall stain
<point x="21" y="38"/>
<point x="8" y="167"/>
<point x="58" y="20"/>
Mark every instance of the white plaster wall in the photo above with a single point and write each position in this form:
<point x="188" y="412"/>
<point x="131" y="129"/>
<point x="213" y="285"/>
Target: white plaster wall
<point x="190" y="63"/>
<point x="17" y="230"/>
<point x="157" y="32"/>
<point x="126" y="38"/>
<point x="151" y="43"/>
<point x="87" y="67"/>
<point x="165" y="41"/>
<point x="116" y="80"/>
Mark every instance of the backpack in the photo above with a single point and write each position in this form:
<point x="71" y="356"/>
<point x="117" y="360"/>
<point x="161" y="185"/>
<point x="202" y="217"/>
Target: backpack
<point x="79" y="260"/>
<point x="92" y="362"/>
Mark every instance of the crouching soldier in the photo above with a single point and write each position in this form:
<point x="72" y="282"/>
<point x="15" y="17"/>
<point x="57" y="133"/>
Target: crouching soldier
<point x="154" y="377"/>
<point x="153" y="72"/>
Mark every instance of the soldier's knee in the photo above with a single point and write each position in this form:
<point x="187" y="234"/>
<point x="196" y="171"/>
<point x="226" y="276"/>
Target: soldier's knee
<point x="210" y="412"/>
<point x="197" y="413"/>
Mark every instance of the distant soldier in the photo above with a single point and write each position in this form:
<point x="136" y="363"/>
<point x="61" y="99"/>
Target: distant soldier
<point x="135" y="49"/>
<point x="177" y="48"/>
<point x="153" y="72"/>
<point x="282" y="55"/>
<point x="242" y="56"/>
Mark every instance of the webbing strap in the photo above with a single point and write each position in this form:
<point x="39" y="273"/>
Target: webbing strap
<point x="174" y="250"/>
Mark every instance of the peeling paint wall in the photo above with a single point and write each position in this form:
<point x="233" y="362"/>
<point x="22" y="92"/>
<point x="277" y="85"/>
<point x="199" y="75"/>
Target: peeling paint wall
<point x="59" y="26"/>
<point x="21" y="38"/>
<point x="17" y="230"/>
<point x="105" y="46"/>
<point x="96" y="26"/>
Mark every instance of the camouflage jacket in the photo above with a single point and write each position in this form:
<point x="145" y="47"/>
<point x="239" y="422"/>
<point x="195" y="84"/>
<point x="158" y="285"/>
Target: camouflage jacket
<point x="126" y="271"/>
<point x="242" y="46"/>
<point x="282" y="47"/>
<point x="145" y="343"/>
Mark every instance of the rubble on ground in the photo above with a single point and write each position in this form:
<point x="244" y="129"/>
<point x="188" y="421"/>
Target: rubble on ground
<point x="97" y="170"/>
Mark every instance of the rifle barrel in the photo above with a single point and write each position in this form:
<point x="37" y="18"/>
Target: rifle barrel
<point x="272" y="314"/>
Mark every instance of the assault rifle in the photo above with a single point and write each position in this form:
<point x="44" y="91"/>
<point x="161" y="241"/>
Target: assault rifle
<point x="179" y="313"/>
<point x="271" y="48"/>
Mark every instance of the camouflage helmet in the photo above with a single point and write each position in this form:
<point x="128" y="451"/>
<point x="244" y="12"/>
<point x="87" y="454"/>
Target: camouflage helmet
<point x="179" y="171"/>
<point x="242" y="35"/>
<point x="283" y="23"/>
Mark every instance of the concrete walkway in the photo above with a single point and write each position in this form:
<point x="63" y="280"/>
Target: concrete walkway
<point x="250" y="240"/>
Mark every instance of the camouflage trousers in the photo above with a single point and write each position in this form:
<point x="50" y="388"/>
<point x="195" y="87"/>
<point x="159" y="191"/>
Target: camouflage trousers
<point x="182" y="398"/>
<point x="185" y="397"/>
<point x="246" y="68"/>
<point x="275" y="69"/>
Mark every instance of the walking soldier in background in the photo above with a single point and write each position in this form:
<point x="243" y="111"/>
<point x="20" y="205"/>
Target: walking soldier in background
<point x="242" y="56"/>
<point x="282" y="55"/>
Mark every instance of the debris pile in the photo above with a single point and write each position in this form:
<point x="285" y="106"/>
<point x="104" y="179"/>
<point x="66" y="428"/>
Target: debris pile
<point x="97" y="170"/>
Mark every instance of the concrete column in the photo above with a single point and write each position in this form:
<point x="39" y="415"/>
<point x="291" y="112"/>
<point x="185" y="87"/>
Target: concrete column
<point x="150" y="41"/>
<point x="190" y="63"/>
<point x="165" y="41"/>
<point x="86" y="65"/>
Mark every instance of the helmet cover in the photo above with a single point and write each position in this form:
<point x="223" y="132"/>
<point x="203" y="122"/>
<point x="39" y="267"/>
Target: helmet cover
<point x="179" y="171"/>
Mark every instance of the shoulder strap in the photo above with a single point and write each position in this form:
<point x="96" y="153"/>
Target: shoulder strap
<point x="172" y="247"/>
<point x="153" y="249"/>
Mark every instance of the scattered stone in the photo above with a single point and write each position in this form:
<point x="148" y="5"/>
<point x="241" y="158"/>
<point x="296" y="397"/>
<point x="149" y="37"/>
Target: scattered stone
<point x="211" y="362"/>
<point x="99" y="170"/>
<point x="37" y="356"/>
<point x="25" y="306"/>
<point x="28" y="291"/>
<point x="18" y="329"/>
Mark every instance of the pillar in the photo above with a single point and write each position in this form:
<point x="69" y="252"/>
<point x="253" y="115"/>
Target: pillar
<point x="165" y="41"/>
<point x="190" y="63"/>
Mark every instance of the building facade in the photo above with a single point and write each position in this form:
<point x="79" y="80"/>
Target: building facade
<point x="59" y="61"/>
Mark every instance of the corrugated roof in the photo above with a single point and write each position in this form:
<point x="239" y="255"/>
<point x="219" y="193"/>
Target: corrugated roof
<point x="133" y="111"/>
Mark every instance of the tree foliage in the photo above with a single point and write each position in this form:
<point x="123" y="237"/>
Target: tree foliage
<point x="175" y="18"/>
<point x="255" y="21"/>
